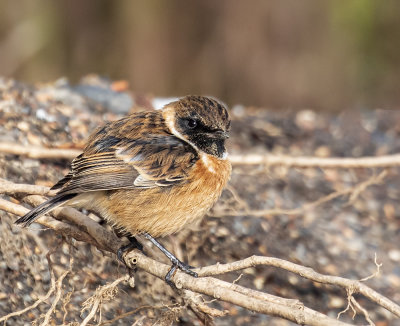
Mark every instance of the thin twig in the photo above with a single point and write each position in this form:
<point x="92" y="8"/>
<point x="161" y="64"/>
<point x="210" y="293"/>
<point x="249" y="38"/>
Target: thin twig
<point x="250" y="299"/>
<point x="49" y="222"/>
<point x="38" y="152"/>
<point x="129" y="313"/>
<point x="103" y="293"/>
<point x="363" y="310"/>
<point x="306" y="272"/>
<point x="34" y="305"/>
<point x="247" y="159"/>
<point x="378" y="269"/>
<point x="205" y="285"/>
<point x="223" y="291"/>
<point x="10" y="188"/>
<point x="57" y="298"/>
<point x="352" y="191"/>
<point x="308" y="162"/>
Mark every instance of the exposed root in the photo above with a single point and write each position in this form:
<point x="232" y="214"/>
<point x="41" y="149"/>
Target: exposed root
<point x="103" y="294"/>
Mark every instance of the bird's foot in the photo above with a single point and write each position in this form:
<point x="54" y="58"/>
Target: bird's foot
<point x="176" y="263"/>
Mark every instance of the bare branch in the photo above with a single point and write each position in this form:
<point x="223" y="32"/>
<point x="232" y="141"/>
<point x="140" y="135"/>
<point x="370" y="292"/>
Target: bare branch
<point x="85" y="229"/>
<point x="58" y="287"/>
<point x="306" y="272"/>
<point x="103" y="293"/>
<point x="129" y="313"/>
<point x="308" y="162"/>
<point x="378" y="269"/>
<point x="247" y="159"/>
<point x="353" y="192"/>
<point x="47" y="221"/>
<point x="364" y="311"/>
<point x="39" y="152"/>
<point x="10" y="188"/>
<point x="223" y="291"/>
<point x="206" y="285"/>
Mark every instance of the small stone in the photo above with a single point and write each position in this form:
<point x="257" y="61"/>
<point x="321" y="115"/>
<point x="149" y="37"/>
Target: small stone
<point x="389" y="211"/>
<point x="23" y="125"/>
<point x="336" y="302"/>
<point x="131" y="282"/>
<point x="323" y="151"/>
<point x="393" y="280"/>
<point x="394" y="255"/>
<point x="259" y="282"/>
<point x="306" y="119"/>
<point x="222" y="232"/>
<point x="293" y="279"/>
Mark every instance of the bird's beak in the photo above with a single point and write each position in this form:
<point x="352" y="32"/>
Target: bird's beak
<point x="221" y="134"/>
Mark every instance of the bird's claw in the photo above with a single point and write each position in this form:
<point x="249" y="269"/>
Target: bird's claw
<point x="183" y="267"/>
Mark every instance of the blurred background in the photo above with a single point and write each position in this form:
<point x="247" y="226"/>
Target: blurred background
<point x="331" y="55"/>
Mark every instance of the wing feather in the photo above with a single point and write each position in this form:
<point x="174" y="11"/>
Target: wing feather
<point x="113" y="161"/>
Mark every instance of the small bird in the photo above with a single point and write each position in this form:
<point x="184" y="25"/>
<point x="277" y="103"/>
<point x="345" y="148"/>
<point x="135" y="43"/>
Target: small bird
<point x="151" y="173"/>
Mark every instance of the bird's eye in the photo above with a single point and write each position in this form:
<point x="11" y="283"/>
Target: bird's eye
<point x="191" y="123"/>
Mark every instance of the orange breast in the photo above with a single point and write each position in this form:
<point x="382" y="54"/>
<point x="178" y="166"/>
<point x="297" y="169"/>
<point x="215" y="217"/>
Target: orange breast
<point x="164" y="210"/>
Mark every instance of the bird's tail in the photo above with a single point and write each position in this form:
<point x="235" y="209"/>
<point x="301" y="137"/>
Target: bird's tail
<point x="44" y="208"/>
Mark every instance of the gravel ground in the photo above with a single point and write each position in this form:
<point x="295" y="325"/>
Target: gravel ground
<point x="339" y="237"/>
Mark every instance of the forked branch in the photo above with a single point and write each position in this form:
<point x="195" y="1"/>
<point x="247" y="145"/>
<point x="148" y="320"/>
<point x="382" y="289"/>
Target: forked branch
<point x="84" y="229"/>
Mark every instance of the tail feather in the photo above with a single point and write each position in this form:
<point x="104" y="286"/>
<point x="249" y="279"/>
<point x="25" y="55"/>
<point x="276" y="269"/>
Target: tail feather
<point x="44" y="208"/>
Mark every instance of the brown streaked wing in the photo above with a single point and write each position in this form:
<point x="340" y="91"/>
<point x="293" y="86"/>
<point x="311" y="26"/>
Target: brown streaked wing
<point x="162" y="159"/>
<point x="147" y="162"/>
<point x="102" y="171"/>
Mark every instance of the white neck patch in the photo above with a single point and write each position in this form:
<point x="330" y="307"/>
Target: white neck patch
<point x="170" y="120"/>
<point x="207" y="162"/>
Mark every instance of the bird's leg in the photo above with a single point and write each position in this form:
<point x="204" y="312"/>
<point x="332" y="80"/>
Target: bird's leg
<point x="133" y="244"/>
<point x="176" y="263"/>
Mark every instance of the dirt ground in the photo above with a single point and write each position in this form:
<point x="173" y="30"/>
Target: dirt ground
<point x="338" y="237"/>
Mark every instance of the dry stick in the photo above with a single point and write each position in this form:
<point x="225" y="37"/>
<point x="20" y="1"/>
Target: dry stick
<point x="307" y="162"/>
<point x="207" y="285"/>
<point x="10" y="188"/>
<point x="212" y="287"/>
<point x="55" y="300"/>
<point x="247" y="159"/>
<point x="298" y="269"/>
<point x="203" y="312"/>
<point x="306" y="272"/>
<point x="363" y="310"/>
<point x="109" y="242"/>
<point x="47" y="221"/>
<point x="99" y="237"/>
<point x="103" y="293"/>
<point x="58" y="284"/>
<point x="39" y="152"/>
<point x="126" y="314"/>
<point x="353" y="191"/>
<point x="71" y="214"/>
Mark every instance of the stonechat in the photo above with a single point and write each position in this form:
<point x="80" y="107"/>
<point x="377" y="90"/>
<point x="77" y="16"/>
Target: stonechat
<point x="150" y="173"/>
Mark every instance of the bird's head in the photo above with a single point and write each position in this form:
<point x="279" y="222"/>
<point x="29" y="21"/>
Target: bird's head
<point x="201" y="121"/>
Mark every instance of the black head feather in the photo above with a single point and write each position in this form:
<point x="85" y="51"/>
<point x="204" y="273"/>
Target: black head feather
<point x="204" y="122"/>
